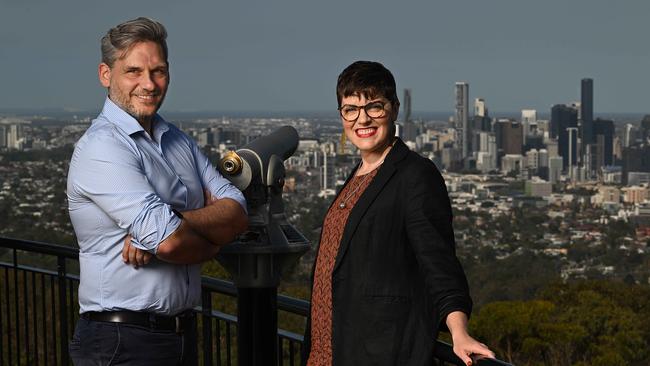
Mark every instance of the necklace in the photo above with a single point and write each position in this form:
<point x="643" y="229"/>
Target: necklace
<point x="363" y="180"/>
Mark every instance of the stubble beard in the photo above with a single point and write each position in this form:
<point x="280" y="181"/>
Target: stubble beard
<point x="123" y="100"/>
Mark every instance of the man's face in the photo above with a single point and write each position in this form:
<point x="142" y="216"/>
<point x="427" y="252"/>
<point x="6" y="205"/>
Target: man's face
<point x="138" y="80"/>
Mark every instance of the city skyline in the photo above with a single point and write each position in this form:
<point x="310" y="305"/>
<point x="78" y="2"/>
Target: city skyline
<point x="286" y="56"/>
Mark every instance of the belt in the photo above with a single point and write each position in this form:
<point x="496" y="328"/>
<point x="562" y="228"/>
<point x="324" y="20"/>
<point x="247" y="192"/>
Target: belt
<point x="177" y="323"/>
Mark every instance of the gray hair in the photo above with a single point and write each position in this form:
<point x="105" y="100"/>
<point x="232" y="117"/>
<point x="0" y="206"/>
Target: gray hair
<point x="122" y="37"/>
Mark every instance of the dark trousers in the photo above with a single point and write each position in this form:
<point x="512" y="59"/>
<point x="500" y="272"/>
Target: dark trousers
<point x="101" y="343"/>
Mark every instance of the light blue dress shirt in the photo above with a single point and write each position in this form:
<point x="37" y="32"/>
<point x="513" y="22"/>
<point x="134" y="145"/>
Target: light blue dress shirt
<point x="122" y="182"/>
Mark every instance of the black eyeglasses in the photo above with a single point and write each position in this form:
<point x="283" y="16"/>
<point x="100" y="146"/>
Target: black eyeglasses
<point x="351" y="113"/>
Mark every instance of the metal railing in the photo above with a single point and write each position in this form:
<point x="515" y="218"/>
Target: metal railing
<point x="39" y="308"/>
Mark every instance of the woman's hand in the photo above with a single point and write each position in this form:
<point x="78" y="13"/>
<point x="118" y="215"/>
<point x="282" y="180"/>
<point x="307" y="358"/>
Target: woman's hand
<point x="465" y="347"/>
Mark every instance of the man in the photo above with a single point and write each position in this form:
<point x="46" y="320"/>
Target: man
<point x="147" y="207"/>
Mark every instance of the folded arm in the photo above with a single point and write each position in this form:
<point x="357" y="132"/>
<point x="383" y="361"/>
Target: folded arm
<point x="203" y="231"/>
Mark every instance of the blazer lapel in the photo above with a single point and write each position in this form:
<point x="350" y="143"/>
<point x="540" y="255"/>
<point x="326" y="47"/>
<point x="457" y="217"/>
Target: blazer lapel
<point x="386" y="171"/>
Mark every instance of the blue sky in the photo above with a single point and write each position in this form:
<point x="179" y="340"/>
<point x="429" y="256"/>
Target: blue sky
<point x="286" y="55"/>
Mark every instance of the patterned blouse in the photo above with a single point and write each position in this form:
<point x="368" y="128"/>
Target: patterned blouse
<point x="321" y="298"/>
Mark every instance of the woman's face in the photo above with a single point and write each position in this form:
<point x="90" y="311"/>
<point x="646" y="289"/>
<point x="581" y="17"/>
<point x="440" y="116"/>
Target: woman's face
<point x="368" y="134"/>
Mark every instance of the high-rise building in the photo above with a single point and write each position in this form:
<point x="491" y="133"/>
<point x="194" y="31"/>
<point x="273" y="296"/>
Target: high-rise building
<point x="635" y="159"/>
<point x="564" y="117"/>
<point x="587" y="110"/>
<point x="3" y="136"/>
<point x="462" y="118"/>
<point x="603" y="145"/>
<point x="572" y="147"/>
<point x="555" y="166"/>
<point x="528" y="115"/>
<point x="14" y="137"/>
<point x="410" y="130"/>
<point x="509" y="137"/>
<point x="406" y="104"/>
<point x="629" y="135"/>
<point x="645" y="129"/>
<point x="529" y="122"/>
<point x="328" y="177"/>
<point x="480" y="109"/>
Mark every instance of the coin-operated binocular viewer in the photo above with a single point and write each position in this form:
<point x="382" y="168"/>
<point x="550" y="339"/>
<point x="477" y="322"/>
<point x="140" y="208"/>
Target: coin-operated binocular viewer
<point x="257" y="258"/>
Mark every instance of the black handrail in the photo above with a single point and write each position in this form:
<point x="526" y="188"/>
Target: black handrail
<point x="64" y="284"/>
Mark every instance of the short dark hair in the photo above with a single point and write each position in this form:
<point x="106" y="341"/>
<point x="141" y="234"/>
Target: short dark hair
<point x="368" y="78"/>
<point x="122" y="37"/>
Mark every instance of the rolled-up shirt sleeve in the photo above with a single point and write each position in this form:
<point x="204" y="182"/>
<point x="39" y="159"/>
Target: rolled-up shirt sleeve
<point x="217" y="184"/>
<point x="110" y="173"/>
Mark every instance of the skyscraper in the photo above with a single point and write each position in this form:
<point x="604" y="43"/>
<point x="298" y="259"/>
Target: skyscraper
<point x="410" y="130"/>
<point x="603" y="146"/>
<point x="480" y="109"/>
<point x="529" y="122"/>
<point x="462" y="117"/>
<point x="406" y="104"/>
<point x="509" y="137"/>
<point x="562" y="118"/>
<point x="14" y="136"/>
<point x="3" y="136"/>
<point x="587" y="111"/>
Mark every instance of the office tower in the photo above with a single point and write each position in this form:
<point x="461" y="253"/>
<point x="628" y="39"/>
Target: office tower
<point x="406" y="104"/>
<point x="528" y="115"/>
<point x="509" y="137"/>
<point x="328" y="177"/>
<point x="480" y="121"/>
<point x="587" y="111"/>
<point x="572" y="146"/>
<point x="3" y="136"/>
<point x="542" y="162"/>
<point x="512" y="163"/>
<point x="551" y="146"/>
<point x="635" y="159"/>
<point x="480" y="109"/>
<point x="410" y="130"/>
<point x="462" y="118"/>
<point x="564" y="117"/>
<point x="14" y="137"/>
<point x="645" y="129"/>
<point x="629" y="135"/>
<point x="555" y="166"/>
<point x="543" y="158"/>
<point x="534" y="142"/>
<point x="215" y="135"/>
<point x="233" y="137"/>
<point x="543" y="126"/>
<point x="205" y="138"/>
<point x="486" y="157"/>
<point x="602" y="150"/>
<point x="532" y="160"/>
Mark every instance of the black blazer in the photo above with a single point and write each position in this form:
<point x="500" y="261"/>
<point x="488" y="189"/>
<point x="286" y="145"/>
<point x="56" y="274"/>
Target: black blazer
<point x="396" y="275"/>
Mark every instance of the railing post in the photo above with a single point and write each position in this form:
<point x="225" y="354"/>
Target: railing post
<point x="206" y="310"/>
<point x="257" y="326"/>
<point x="63" y="310"/>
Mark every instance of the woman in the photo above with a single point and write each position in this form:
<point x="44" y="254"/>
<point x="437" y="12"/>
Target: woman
<point x="386" y="276"/>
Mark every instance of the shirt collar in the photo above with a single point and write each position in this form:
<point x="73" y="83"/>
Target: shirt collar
<point x="127" y="123"/>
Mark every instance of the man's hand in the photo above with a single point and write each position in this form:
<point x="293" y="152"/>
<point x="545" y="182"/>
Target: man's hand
<point x="134" y="256"/>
